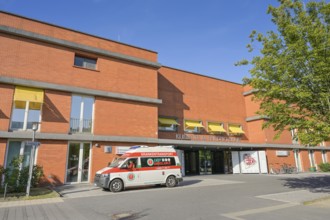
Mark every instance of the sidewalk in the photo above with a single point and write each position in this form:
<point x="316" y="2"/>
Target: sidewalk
<point x="75" y="188"/>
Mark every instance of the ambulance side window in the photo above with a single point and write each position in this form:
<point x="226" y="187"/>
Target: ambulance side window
<point x="129" y="164"/>
<point x="157" y="161"/>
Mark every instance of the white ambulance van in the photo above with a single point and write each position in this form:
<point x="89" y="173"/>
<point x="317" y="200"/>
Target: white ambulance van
<point x="140" y="166"/>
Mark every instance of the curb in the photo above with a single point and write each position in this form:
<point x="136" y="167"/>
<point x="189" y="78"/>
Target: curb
<point x="29" y="202"/>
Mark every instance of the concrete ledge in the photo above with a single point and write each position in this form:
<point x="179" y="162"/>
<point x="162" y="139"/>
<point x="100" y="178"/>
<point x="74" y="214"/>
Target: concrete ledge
<point x="80" y="90"/>
<point x="145" y="140"/>
<point x="257" y="117"/>
<point x="250" y="92"/>
<point x="76" y="46"/>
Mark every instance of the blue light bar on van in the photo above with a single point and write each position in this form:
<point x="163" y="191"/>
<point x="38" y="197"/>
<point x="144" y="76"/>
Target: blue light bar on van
<point x="135" y="147"/>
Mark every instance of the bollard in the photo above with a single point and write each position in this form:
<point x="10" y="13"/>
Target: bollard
<point x="5" y="192"/>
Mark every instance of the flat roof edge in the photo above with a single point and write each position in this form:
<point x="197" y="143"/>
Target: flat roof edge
<point x="198" y="74"/>
<point x="77" y="31"/>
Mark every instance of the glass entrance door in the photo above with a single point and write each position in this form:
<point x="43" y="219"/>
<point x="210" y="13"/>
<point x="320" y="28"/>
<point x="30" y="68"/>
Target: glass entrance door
<point x="205" y="162"/>
<point x="78" y="163"/>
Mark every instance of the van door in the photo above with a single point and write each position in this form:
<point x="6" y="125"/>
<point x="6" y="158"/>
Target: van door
<point x="150" y="174"/>
<point x="130" y="172"/>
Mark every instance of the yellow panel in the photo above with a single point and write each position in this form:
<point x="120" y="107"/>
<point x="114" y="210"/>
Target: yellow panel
<point x="215" y="127"/>
<point x="236" y="129"/>
<point x="29" y="94"/>
<point x="193" y="124"/>
<point x="167" y="121"/>
<point x="20" y="104"/>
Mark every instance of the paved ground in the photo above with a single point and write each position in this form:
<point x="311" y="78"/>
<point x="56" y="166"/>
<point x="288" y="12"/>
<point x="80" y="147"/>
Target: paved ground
<point x="200" y="197"/>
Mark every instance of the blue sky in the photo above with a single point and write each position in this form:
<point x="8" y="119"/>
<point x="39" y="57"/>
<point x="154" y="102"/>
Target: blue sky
<point x="202" y="36"/>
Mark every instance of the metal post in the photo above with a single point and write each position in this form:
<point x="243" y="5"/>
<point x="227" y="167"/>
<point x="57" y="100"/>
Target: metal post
<point x="34" y="129"/>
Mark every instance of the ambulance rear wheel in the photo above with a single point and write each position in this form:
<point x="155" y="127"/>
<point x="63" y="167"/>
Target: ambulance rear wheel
<point x="171" y="181"/>
<point x="116" y="185"/>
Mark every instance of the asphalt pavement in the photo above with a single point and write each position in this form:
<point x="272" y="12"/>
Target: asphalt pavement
<point x="197" y="197"/>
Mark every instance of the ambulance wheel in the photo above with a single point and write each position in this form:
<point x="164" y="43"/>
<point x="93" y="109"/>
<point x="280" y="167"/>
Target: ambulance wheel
<point x="116" y="185"/>
<point x="171" y="181"/>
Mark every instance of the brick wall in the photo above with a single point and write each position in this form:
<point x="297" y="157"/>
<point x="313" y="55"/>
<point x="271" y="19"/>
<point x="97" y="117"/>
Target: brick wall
<point x="37" y="61"/>
<point x="114" y="117"/>
<point x="6" y="103"/>
<point x="195" y="97"/>
<point x="304" y="157"/>
<point x="276" y="161"/>
<point x="257" y="134"/>
<point x="74" y="36"/>
<point x="318" y="157"/>
<point x="52" y="156"/>
<point x="3" y="144"/>
<point x="56" y="112"/>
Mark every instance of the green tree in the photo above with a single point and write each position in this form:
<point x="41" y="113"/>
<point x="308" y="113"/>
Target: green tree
<point x="291" y="73"/>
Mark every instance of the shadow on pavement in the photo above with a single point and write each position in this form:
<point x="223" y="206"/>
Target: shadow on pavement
<point x="189" y="182"/>
<point x="74" y="188"/>
<point x="313" y="184"/>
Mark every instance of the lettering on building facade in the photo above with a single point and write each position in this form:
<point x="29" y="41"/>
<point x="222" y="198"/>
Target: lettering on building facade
<point x="193" y="137"/>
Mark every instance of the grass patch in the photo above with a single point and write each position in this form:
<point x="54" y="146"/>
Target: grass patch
<point x="35" y="193"/>
<point x="317" y="200"/>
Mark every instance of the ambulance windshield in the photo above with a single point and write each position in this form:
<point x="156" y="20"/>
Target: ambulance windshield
<point x="117" y="162"/>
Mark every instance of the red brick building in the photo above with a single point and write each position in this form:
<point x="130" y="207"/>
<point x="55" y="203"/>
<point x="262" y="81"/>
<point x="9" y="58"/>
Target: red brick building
<point x="94" y="97"/>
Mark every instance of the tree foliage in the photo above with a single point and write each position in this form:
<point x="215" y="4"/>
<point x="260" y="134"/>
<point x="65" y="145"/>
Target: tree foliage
<point x="291" y="75"/>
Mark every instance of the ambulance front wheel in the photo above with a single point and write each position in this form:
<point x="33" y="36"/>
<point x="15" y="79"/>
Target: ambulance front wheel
<point x="171" y="181"/>
<point x="116" y="185"/>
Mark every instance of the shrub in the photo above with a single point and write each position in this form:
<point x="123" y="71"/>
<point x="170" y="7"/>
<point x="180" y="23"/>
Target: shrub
<point x="324" y="167"/>
<point x="2" y="171"/>
<point x="16" y="177"/>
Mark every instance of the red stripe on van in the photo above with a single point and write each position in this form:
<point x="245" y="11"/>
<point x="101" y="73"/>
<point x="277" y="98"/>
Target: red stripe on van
<point x="117" y="170"/>
<point x="149" y="154"/>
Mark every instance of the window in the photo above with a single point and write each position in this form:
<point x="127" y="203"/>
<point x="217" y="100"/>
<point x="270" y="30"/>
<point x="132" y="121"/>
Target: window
<point x="311" y="158"/>
<point x="235" y="129"/>
<point x="215" y="128"/>
<point x="16" y="149"/>
<point x="324" y="156"/>
<point x="167" y="124"/>
<point x="157" y="161"/>
<point x="294" y="136"/>
<point x="192" y="126"/>
<point x="85" y="62"/>
<point x="81" y="120"/>
<point x="26" y="108"/>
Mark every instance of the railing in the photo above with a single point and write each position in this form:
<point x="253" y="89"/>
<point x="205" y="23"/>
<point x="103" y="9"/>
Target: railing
<point x="285" y="169"/>
<point x="16" y="125"/>
<point x="78" y="125"/>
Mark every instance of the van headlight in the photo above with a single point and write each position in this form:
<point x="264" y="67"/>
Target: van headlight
<point x="105" y="175"/>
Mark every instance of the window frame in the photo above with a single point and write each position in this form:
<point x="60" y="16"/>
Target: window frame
<point x="26" y="117"/>
<point x="174" y="127"/>
<point x="216" y="132"/>
<point x="196" y="130"/>
<point x="85" y="60"/>
<point x="21" y="153"/>
<point x="81" y="114"/>
<point x="233" y="133"/>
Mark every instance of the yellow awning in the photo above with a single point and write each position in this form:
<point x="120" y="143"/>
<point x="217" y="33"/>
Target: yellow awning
<point x="167" y="121"/>
<point x="34" y="96"/>
<point x="236" y="129"/>
<point x="193" y="124"/>
<point x="216" y="127"/>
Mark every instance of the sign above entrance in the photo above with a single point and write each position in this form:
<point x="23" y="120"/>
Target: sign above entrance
<point x="193" y="137"/>
<point x="31" y="143"/>
<point x="121" y="150"/>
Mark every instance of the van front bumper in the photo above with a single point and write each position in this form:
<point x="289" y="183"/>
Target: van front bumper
<point x="102" y="180"/>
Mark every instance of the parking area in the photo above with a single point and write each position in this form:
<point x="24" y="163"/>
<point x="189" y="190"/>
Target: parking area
<point x="197" y="197"/>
